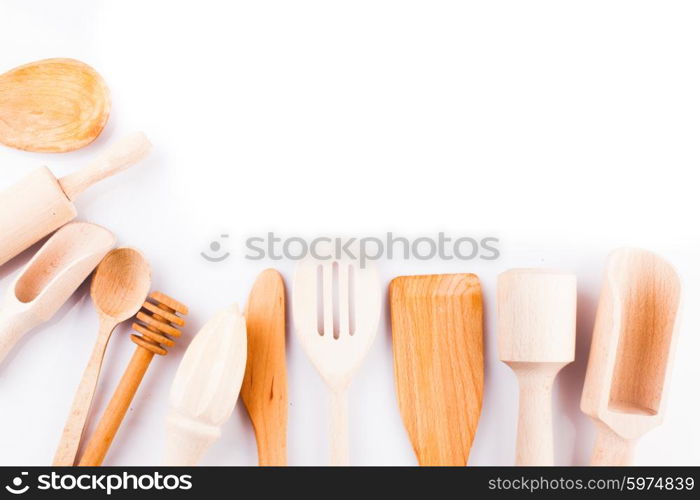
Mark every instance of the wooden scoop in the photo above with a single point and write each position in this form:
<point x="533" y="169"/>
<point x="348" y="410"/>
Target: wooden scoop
<point x="536" y="338"/>
<point x="264" y="389"/>
<point x="52" y="106"/>
<point x="119" y="288"/>
<point x="629" y="366"/>
<point x="50" y="278"/>
<point x="437" y="332"/>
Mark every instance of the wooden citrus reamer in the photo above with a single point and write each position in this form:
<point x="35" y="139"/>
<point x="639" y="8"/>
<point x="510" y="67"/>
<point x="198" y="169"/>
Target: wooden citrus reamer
<point x="628" y="372"/>
<point x="157" y="323"/>
<point x="536" y="338"/>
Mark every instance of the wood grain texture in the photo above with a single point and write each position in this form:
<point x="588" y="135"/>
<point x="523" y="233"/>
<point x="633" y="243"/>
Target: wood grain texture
<point x="52" y="106"/>
<point x="631" y="355"/>
<point x="158" y="323"/>
<point x="536" y="339"/>
<point x="264" y="389"/>
<point x="437" y="333"/>
<point x="39" y="204"/>
<point x="206" y="387"/>
<point x="50" y="278"/>
<point x="119" y="288"/>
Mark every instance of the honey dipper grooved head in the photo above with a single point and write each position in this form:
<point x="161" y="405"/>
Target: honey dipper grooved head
<point x="158" y="322"/>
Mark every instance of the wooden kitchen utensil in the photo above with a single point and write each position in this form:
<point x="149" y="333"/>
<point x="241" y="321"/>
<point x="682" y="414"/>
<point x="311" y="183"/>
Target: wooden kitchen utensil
<point x="119" y="288"/>
<point x="40" y="203"/>
<point x="205" y="389"/>
<point x="50" y="278"/>
<point x="629" y="367"/>
<point x="264" y="389"/>
<point x="536" y="338"/>
<point x="336" y="304"/>
<point x="52" y="106"/>
<point x="158" y="323"/>
<point x="437" y="335"/>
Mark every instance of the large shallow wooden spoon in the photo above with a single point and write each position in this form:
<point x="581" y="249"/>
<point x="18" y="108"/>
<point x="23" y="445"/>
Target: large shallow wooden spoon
<point x="52" y="106"/>
<point x="437" y="331"/>
<point x="118" y="290"/>
<point x="264" y="389"/>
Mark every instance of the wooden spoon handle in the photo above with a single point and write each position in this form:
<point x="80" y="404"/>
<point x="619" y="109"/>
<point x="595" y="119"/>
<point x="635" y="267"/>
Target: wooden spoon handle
<point x="99" y="443"/>
<point x="340" y="443"/>
<point x="535" y="441"/>
<point x="611" y="449"/>
<point x="77" y="417"/>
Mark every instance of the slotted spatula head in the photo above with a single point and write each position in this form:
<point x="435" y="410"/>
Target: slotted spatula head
<point x="336" y="305"/>
<point x="437" y="332"/>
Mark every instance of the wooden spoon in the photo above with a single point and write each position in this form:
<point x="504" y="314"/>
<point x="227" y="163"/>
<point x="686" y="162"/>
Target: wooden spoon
<point x="52" y="106"/>
<point x="437" y="332"/>
<point x="119" y="289"/>
<point x="264" y="389"/>
<point x="50" y="278"/>
<point x="631" y="355"/>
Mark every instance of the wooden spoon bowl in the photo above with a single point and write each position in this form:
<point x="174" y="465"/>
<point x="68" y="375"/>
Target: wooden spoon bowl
<point x="52" y="106"/>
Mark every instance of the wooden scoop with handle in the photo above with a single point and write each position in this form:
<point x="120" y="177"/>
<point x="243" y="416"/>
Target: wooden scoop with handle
<point x="264" y="389"/>
<point x="50" y="278"/>
<point x="437" y="333"/>
<point x="629" y="367"/>
<point x="536" y="338"/>
<point x="40" y="203"/>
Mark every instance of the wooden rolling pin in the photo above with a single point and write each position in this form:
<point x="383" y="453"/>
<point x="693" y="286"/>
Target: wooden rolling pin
<point x="157" y="323"/>
<point x="39" y="204"/>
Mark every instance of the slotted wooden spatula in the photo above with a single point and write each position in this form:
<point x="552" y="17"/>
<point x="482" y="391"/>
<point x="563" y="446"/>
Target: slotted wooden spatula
<point x="437" y="332"/>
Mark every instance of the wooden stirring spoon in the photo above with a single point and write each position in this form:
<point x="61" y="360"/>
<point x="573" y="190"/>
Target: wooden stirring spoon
<point x="264" y="389"/>
<point x="119" y="289"/>
<point x="52" y="106"/>
<point x="631" y="355"/>
<point x="437" y="334"/>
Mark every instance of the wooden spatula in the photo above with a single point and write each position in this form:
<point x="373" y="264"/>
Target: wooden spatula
<point x="437" y="331"/>
<point x="264" y="389"/>
<point x="629" y="366"/>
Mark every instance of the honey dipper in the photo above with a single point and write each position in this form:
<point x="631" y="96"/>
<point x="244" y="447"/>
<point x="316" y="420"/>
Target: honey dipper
<point x="157" y="323"/>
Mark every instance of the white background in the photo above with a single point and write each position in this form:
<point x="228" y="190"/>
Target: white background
<point x="564" y="128"/>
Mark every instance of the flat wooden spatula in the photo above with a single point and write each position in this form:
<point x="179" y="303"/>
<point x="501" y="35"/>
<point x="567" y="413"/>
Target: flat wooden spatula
<point x="437" y="331"/>
<point x="264" y="389"/>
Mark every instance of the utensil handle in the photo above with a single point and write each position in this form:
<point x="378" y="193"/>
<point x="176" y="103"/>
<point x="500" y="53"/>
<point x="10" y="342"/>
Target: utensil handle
<point x="535" y="442"/>
<point x="12" y="328"/>
<point x="187" y="440"/>
<point x="611" y="449"/>
<point x="107" y="428"/>
<point x="115" y="159"/>
<point x="82" y="401"/>
<point x="339" y="428"/>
